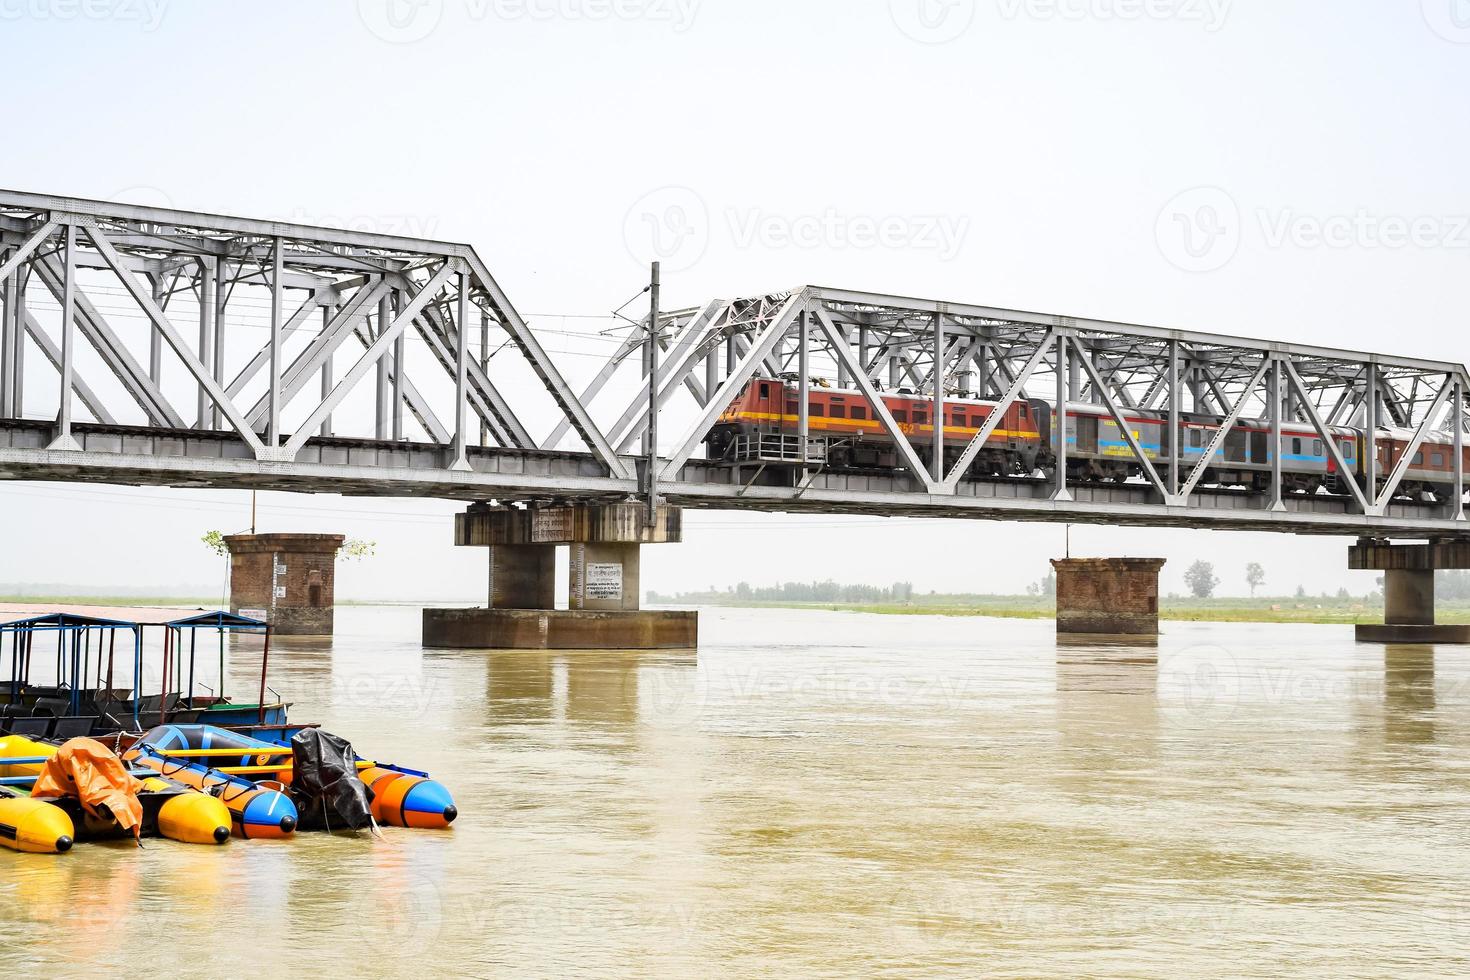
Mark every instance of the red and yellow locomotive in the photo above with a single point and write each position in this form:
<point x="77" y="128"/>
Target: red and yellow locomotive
<point x="843" y="430"/>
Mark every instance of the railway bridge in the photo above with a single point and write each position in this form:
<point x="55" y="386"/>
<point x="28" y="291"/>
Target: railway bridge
<point x="153" y="346"/>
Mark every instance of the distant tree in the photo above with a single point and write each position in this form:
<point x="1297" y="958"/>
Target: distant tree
<point x="1301" y="591"/>
<point x="1048" y="584"/>
<point x="1343" y="594"/>
<point x="356" y="549"/>
<point x="1200" y="577"/>
<point x="1255" y="577"/>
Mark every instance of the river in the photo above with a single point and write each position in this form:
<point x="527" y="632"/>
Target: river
<point x="831" y="794"/>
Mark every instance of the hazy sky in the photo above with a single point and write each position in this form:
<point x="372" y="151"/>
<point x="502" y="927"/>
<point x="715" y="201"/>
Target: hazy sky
<point x="1273" y="168"/>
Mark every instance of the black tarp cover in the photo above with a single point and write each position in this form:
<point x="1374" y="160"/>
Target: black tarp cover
<point x="324" y="784"/>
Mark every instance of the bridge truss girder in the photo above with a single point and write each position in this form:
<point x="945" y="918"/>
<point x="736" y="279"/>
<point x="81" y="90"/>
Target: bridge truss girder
<point x="878" y="343"/>
<point x="371" y="290"/>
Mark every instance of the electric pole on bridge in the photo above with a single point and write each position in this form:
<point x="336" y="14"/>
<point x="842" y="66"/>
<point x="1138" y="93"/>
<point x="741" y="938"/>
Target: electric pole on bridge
<point x="650" y="439"/>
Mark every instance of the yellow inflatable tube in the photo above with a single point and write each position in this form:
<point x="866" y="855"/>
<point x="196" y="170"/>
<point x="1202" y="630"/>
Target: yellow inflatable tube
<point x="34" y="826"/>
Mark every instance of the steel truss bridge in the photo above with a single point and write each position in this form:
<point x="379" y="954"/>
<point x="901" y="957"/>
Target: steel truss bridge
<point x="270" y="332"/>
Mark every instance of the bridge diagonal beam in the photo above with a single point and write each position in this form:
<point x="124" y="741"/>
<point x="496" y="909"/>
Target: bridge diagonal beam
<point x="492" y="406"/>
<point x="370" y="357"/>
<point x="24" y="250"/>
<point x="1323" y="430"/>
<point x="684" y="354"/>
<point x="917" y="469"/>
<point x="1385" y="497"/>
<point x="114" y="353"/>
<point x="765" y="342"/>
<point x="1084" y="357"/>
<point x="144" y="299"/>
<point x="595" y="386"/>
<point x="555" y="384"/>
<point x="52" y="353"/>
<point x="1218" y="439"/>
<point x="433" y="332"/>
<point x="307" y="364"/>
<point x="416" y="403"/>
<point x="1016" y="389"/>
<point x="314" y="302"/>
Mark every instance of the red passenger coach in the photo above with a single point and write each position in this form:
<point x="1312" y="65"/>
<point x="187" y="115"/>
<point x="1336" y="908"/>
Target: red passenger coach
<point x="761" y="424"/>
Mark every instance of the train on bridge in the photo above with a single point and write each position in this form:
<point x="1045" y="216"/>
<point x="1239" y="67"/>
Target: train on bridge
<point x="761" y="425"/>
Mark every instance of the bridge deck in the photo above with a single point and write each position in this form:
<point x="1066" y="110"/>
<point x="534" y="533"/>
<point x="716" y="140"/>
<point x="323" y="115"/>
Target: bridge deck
<point x="147" y="456"/>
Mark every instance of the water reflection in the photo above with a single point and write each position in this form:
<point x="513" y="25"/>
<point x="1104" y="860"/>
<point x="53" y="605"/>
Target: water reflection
<point x="1107" y="708"/>
<point x="1408" y="695"/>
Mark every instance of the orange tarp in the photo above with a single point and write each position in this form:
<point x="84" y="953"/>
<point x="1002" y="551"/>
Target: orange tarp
<point x="89" y="771"/>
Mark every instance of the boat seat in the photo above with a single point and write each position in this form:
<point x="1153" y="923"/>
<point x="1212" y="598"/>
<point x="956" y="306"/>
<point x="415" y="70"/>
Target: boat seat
<point x="74" y="726"/>
<point x="52" y="707"/>
<point x="31" y="727"/>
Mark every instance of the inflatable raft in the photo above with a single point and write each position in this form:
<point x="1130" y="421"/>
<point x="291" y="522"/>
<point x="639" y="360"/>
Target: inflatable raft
<point x="400" y="797"/>
<point x="255" y="812"/>
<point x="169" y="809"/>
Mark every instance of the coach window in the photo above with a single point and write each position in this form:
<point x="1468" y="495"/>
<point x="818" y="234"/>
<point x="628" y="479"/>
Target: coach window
<point x="1024" y="412"/>
<point x="816" y="411"/>
<point x="858" y="412"/>
<point x="839" y="411"/>
<point x="1195" y="438"/>
<point x="1316" y="447"/>
<point x="1436" y="459"/>
<point x="1296" y="447"/>
<point x="920" y="418"/>
<point x="1347" y="450"/>
<point x="1419" y="458"/>
<point x="900" y="415"/>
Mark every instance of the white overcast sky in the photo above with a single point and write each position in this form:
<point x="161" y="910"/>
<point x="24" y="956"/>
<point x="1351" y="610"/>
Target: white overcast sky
<point x="1037" y="154"/>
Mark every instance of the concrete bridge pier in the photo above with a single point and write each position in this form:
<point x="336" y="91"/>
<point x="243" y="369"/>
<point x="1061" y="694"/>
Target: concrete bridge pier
<point x="605" y="543"/>
<point x="1408" y="589"/>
